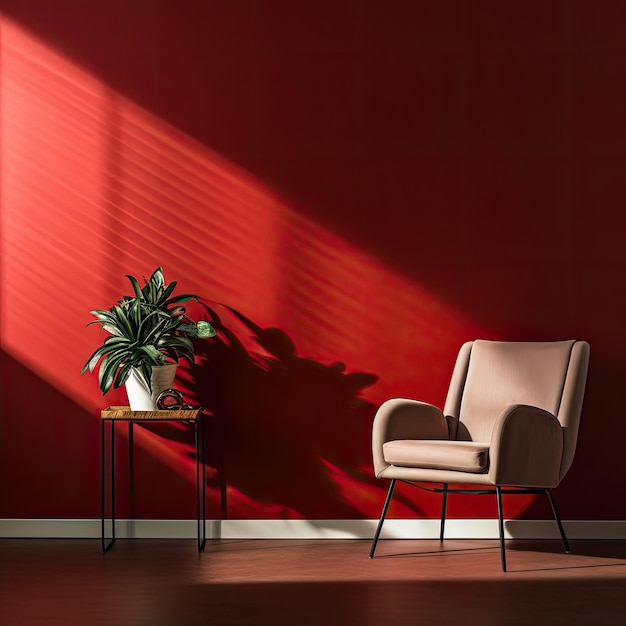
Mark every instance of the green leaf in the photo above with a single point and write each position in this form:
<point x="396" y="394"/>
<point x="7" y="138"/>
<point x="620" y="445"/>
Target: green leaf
<point x="145" y="372"/>
<point x="123" y="375"/>
<point x="205" y="330"/>
<point x="166" y="294"/>
<point x="108" y="369"/>
<point x="157" y="277"/>
<point x="136" y="286"/>
<point x="91" y="362"/>
<point x="182" y="298"/>
<point x="154" y="355"/>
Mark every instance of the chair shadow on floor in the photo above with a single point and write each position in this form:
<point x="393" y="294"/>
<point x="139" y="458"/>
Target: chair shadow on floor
<point x="534" y="555"/>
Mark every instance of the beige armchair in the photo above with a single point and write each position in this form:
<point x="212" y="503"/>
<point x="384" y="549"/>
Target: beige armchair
<point x="509" y="425"/>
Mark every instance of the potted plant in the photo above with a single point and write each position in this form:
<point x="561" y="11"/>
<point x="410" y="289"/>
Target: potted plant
<point x="149" y="333"/>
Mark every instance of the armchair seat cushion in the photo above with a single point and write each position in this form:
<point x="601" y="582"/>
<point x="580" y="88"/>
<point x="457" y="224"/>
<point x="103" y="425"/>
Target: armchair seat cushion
<point x="461" y="456"/>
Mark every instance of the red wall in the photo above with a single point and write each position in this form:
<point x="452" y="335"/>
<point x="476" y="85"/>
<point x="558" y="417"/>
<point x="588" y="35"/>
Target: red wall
<point x="367" y="183"/>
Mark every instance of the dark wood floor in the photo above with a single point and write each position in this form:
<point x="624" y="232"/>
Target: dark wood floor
<point x="325" y="582"/>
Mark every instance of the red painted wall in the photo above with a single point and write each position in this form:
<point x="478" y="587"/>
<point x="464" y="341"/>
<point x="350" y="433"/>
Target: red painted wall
<point x="369" y="184"/>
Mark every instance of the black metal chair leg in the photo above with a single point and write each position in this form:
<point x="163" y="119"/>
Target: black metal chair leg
<point x="443" y="510"/>
<point x="558" y="521"/>
<point x="382" y="518"/>
<point x="501" y="528"/>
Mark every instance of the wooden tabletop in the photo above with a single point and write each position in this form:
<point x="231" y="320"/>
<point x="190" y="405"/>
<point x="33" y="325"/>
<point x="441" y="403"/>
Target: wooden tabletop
<point x="124" y="413"/>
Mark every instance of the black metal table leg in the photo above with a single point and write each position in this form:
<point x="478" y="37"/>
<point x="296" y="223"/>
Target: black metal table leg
<point x="200" y="481"/>
<point x="107" y="545"/>
<point x="131" y="475"/>
<point x="113" y="414"/>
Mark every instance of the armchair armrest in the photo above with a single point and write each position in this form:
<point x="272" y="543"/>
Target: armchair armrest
<point x="400" y="418"/>
<point x="526" y="448"/>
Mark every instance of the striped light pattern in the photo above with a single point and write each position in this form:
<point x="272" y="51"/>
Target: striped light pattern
<point x="95" y="187"/>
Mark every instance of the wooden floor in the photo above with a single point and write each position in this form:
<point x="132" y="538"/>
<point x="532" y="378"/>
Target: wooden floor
<point x="325" y="582"/>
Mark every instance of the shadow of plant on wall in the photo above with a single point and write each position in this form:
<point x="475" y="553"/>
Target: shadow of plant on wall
<point x="282" y="429"/>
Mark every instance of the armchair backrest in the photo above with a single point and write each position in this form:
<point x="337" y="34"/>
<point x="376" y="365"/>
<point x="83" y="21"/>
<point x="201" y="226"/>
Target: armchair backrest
<point x="491" y="375"/>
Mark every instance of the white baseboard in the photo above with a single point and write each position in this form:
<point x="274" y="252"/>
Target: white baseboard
<point x="311" y="529"/>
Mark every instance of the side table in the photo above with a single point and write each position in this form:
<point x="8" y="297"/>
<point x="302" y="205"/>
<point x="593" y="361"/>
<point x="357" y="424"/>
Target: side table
<point x="114" y="414"/>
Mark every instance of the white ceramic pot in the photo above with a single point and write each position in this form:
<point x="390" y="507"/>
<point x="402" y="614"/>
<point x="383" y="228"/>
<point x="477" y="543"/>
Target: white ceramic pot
<point x="139" y="396"/>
